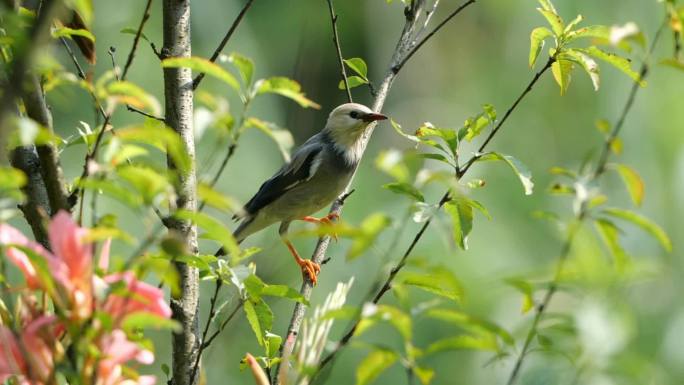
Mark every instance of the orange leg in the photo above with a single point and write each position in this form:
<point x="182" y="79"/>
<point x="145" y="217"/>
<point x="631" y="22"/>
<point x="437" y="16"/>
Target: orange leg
<point x="310" y="268"/>
<point x="326" y="220"/>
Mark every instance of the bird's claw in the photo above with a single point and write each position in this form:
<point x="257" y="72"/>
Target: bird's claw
<point x="311" y="269"/>
<point x="327" y="220"/>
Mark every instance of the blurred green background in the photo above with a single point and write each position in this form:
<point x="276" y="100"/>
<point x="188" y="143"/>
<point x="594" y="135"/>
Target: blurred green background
<point x="630" y="328"/>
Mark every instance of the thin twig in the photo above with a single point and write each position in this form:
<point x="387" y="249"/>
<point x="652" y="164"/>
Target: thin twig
<point x="143" y="113"/>
<point x="138" y="33"/>
<point x="82" y="75"/>
<point x="210" y="319"/>
<point x="567" y="245"/>
<point x="387" y="285"/>
<point x="224" y="41"/>
<point x="338" y="49"/>
<point x="417" y="46"/>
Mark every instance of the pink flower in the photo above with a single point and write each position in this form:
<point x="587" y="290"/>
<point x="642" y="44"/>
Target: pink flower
<point x="140" y="297"/>
<point x="11" y="236"/>
<point x="116" y="350"/>
<point x="30" y="355"/>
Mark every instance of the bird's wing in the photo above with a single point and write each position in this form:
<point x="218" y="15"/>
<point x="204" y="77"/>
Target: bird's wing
<point x="301" y="168"/>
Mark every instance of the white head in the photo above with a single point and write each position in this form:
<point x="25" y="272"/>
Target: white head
<point x="347" y="123"/>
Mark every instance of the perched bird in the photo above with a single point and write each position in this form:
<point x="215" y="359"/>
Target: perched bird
<point x="317" y="174"/>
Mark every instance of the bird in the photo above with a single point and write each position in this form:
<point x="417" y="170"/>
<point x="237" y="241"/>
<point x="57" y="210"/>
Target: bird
<point x="316" y="175"/>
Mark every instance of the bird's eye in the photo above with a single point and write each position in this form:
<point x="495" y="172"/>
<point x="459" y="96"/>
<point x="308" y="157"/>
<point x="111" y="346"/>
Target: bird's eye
<point x="354" y="114"/>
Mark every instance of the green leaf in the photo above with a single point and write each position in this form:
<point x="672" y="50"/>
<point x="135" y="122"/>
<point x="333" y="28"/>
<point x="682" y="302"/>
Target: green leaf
<point x="214" y="230"/>
<point x="134" y="31"/>
<point x="425" y="375"/>
<point x="392" y="163"/>
<point x="161" y="137"/>
<point x="144" y="320"/>
<point x="674" y="63"/>
<point x="84" y="8"/>
<point x="474" y="126"/>
<point x="644" y="223"/>
<point x="632" y="180"/>
<point x="470" y="323"/>
<point x="244" y="65"/>
<point x="547" y="5"/>
<point x="284" y="291"/>
<point x="444" y="285"/>
<point x="148" y="182"/>
<point x="462" y="219"/>
<point x="518" y="167"/>
<point x="11" y="178"/>
<point x="373" y="365"/>
<point x="588" y="65"/>
<point x="616" y="61"/>
<point x="372" y="314"/>
<point x="126" y="196"/>
<point x="285" y="87"/>
<point x="573" y="24"/>
<point x="593" y="31"/>
<point x="353" y="81"/>
<point x="526" y="289"/>
<point x="282" y="137"/>
<point x="463" y="342"/>
<point x="217" y="200"/>
<point x="273" y="342"/>
<point x="401" y="132"/>
<point x="555" y="21"/>
<point x="561" y="70"/>
<point x="70" y="32"/>
<point x="537" y="38"/>
<point x="610" y="235"/>
<point x="405" y="189"/>
<point x="359" y="66"/>
<point x="199" y="64"/>
<point x="253" y="319"/>
<point x="446" y="134"/>
<point x="370" y="228"/>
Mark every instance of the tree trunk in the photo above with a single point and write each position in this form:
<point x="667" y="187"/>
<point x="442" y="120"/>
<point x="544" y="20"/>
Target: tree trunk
<point x="178" y="115"/>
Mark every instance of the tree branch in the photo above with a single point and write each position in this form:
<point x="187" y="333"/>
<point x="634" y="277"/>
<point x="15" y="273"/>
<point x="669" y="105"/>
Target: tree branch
<point x="404" y="46"/>
<point x="224" y="41"/>
<point x="178" y="97"/>
<point x="584" y="210"/>
<point x="338" y="49"/>
<point x="138" y="33"/>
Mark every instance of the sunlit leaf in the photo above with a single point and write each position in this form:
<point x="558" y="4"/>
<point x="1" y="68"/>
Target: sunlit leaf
<point x="674" y="63"/>
<point x="70" y="32"/>
<point x="373" y="365"/>
<point x="217" y="200"/>
<point x="214" y="229"/>
<point x="392" y="162"/>
<point x="244" y="65"/>
<point x="610" y="235"/>
<point x="260" y="318"/>
<point x="470" y="323"/>
<point x="353" y="81"/>
<point x="644" y="223"/>
<point x="84" y="8"/>
<point x="139" y="320"/>
<point x="588" y="65"/>
<point x="555" y="21"/>
<point x="632" y="180"/>
<point x="148" y="182"/>
<point x="435" y="283"/>
<point x="462" y="220"/>
<point x="405" y="189"/>
<point x="616" y="61"/>
<point x="285" y="87"/>
<point x="282" y="137"/>
<point x="518" y="167"/>
<point x="370" y="228"/>
<point x="561" y="70"/>
<point x="161" y="137"/>
<point x="526" y="289"/>
<point x="359" y="66"/>
<point x="592" y="31"/>
<point x="401" y="132"/>
<point x="463" y="342"/>
<point x="199" y="64"/>
<point x="537" y="38"/>
<point x="372" y="314"/>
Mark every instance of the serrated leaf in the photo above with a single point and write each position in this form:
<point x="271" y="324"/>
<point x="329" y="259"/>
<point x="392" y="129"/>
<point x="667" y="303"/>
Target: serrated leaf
<point x="537" y="38"/>
<point x="359" y="66"/>
<point x="405" y="189"/>
<point x="353" y="81"/>
<point x="555" y="21"/>
<point x="632" y="180"/>
<point x="616" y="61"/>
<point x="285" y="87"/>
<point x="610" y="235"/>
<point x="202" y="65"/>
<point x="561" y="70"/>
<point x="644" y="223"/>
<point x="373" y="365"/>
<point x="517" y="166"/>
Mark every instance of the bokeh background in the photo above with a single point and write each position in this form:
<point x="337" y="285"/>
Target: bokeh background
<point x="630" y="329"/>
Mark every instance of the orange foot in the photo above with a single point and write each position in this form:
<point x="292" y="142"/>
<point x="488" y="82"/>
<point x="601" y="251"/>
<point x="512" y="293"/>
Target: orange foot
<point x="309" y="267"/>
<point x="326" y="220"/>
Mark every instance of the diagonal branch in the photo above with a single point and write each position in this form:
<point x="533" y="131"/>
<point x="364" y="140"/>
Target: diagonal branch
<point x="340" y="58"/>
<point x="138" y="33"/>
<point x="224" y="41"/>
<point x="406" y="42"/>
<point x="583" y="212"/>
<point x="387" y="285"/>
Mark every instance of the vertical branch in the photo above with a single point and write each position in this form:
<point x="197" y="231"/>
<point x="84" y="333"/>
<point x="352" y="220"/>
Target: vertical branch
<point x="178" y="115"/>
<point x="340" y="58"/>
<point x="37" y="109"/>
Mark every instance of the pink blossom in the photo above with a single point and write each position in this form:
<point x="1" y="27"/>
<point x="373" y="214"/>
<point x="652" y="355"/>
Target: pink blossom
<point x="117" y="350"/>
<point x="30" y="355"/>
<point x="140" y="297"/>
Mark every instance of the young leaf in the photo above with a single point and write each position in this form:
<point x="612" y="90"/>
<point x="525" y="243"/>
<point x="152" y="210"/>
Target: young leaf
<point x="285" y="87"/>
<point x="433" y="283"/>
<point x="244" y="65"/>
<point x="526" y="289"/>
<point x="134" y="95"/>
<point x="353" y="81"/>
<point x="561" y="70"/>
<point x="214" y="229"/>
<point x="555" y="21"/>
<point x="593" y="31"/>
<point x="282" y="137"/>
<point x="537" y="38"/>
<point x="148" y="182"/>
<point x="547" y="5"/>
<point x="359" y="66"/>
<point x="468" y="322"/>
<point x="69" y="32"/>
<point x="486" y="343"/>
<point x="587" y="63"/>
<point x="405" y="189"/>
<point x="399" y="131"/>
<point x="370" y="228"/>
<point x="610" y="235"/>
<point x="373" y="365"/>
<point x="199" y="64"/>
<point x="616" y="61"/>
<point x="260" y="318"/>
<point x="518" y="167"/>
<point x="462" y="218"/>
<point x="632" y="181"/>
<point x="646" y="224"/>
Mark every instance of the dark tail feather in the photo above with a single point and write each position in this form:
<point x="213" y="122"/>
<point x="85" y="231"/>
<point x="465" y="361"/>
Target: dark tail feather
<point x="236" y="234"/>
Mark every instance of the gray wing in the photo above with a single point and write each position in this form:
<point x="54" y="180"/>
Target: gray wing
<point x="301" y="168"/>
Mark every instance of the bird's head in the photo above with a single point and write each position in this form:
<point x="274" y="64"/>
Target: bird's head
<point x="347" y="122"/>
